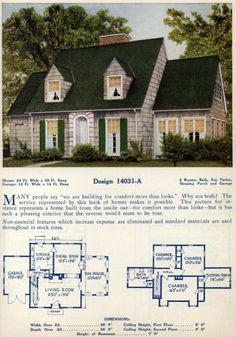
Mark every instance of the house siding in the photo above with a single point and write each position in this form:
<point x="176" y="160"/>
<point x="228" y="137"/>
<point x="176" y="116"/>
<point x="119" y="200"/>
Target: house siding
<point x="217" y="118"/>
<point x="146" y="120"/>
<point x="19" y="130"/>
<point x="218" y="113"/>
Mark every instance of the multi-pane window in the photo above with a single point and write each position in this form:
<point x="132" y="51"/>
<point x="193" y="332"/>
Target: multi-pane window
<point x="188" y="125"/>
<point x="113" y="125"/>
<point x="213" y="127"/>
<point x="218" y="127"/>
<point x="199" y="125"/>
<point x="194" y="129"/>
<point x="167" y="125"/>
<point x="114" y="87"/>
<point x="222" y="128"/>
<point x="53" y="91"/>
<point x="51" y="134"/>
<point x="218" y="91"/>
<point x="172" y="126"/>
<point x="162" y="126"/>
<point x="113" y="130"/>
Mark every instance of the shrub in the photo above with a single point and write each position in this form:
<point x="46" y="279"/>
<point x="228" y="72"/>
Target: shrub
<point x="225" y="150"/>
<point x="85" y="153"/>
<point x="128" y="156"/>
<point x="103" y="156"/>
<point x="137" y="148"/>
<point x="6" y="144"/>
<point x="204" y="149"/>
<point x="47" y="155"/>
<point x="174" y="147"/>
<point x="210" y="149"/>
<point x="24" y="152"/>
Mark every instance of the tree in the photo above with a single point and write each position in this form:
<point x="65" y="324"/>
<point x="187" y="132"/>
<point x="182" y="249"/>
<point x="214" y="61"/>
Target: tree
<point x="206" y="37"/>
<point x="174" y="147"/>
<point x="31" y="41"/>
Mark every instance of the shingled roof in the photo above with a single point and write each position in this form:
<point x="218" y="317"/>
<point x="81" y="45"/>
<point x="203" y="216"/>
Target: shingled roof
<point x="187" y="84"/>
<point x="127" y="68"/>
<point x="87" y="66"/>
<point x="23" y="99"/>
<point x="66" y="73"/>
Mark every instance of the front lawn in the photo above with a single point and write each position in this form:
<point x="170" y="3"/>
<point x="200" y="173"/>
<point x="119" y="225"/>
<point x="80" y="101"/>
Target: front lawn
<point x="149" y="163"/>
<point x="10" y="162"/>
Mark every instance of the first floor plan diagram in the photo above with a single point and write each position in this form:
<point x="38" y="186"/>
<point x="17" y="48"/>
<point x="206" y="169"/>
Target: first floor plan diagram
<point x="56" y="275"/>
<point x="179" y="274"/>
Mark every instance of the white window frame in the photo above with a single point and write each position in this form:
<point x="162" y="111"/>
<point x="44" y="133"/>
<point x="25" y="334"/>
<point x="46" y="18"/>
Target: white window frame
<point x="221" y="121"/>
<point x="121" y="94"/>
<point x="76" y="117"/>
<point x="106" y="140"/>
<point x="157" y="136"/>
<point x="52" y="100"/>
<point x="221" y="99"/>
<point x="46" y="133"/>
<point x="166" y="119"/>
<point x="185" y="134"/>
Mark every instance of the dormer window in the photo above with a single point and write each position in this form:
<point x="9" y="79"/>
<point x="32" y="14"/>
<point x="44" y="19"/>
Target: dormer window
<point x="114" y="87"/>
<point x="54" y="91"/>
<point x="118" y="78"/>
<point x="218" y="91"/>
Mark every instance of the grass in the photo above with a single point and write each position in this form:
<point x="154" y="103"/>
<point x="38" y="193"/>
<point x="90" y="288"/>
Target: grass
<point x="10" y="162"/>
<point x="149" y="163"/>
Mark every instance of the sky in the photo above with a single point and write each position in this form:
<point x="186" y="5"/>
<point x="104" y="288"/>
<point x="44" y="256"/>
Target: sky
<point x="145" y="19"/>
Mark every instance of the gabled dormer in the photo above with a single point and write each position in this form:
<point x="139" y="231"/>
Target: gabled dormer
<point x="118" y="78"/>
<point x="57" y="84"/>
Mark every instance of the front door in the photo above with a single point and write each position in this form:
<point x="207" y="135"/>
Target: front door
<point x="81" y="130"/>
<point x="113" y="136"/>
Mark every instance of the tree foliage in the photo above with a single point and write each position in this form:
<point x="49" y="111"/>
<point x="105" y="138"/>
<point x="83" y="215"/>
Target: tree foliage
<point x="173" y="147"/>
<point x="206" y="37"/>
<point x="31" y="41"/>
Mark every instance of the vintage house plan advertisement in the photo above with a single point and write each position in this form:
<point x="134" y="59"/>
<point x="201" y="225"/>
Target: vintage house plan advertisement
<point x="117" y="171"/>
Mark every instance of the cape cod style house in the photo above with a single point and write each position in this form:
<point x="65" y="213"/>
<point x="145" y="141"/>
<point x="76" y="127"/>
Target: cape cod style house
<point x="119" y="90"/>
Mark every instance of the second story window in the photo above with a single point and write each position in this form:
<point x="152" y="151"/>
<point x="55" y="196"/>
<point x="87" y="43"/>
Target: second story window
<point x="218" y="91"/>
<point x="53" y="91"/>
<point x="114" y="87"/>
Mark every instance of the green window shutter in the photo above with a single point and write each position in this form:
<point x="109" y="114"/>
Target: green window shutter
<point x="61" y="135"/>
<point x="42" y="135"/>
<point x="102" y="135"/>
<point x="123" y="134"/>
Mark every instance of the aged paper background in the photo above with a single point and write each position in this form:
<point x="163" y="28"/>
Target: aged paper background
<point x="130" y="245"/>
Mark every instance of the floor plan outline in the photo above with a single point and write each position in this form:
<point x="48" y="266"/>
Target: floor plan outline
<point x="179" y="274"/>
<point x="56" y="275"/>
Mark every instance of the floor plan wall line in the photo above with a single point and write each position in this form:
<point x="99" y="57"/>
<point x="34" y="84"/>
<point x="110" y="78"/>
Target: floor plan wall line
<point x="56" y="275"/>
<point x="179" y="274"/>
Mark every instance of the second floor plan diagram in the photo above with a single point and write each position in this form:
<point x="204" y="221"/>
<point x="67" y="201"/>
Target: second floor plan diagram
<point x="179" y="274"/>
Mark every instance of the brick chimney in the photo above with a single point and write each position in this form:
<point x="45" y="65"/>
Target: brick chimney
<point x="113" y="38"/>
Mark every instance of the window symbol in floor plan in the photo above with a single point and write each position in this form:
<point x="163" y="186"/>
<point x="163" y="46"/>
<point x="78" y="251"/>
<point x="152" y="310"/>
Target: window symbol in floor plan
<point x="56" y="275"/>
<point x="179" y="274"/>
